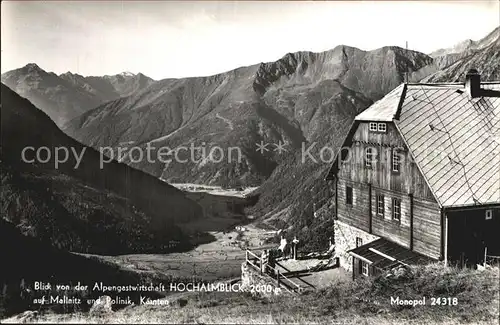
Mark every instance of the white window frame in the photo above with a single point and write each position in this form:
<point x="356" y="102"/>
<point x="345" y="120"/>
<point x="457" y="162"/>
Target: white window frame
<point x="380" y="205"/>
<point x="369" y="154"/>
<point x="373" y="126"/>
<point x="360" y="240"/>
<point x="396" y="209"/>
<point x="488" y="215"/>
<point x="382" y="127"/>
<point x="365" y="268"/>
<point x="396" y="162"/>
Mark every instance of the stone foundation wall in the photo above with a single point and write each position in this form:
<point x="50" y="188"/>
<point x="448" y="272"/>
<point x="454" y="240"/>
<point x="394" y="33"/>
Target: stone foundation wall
<point x="345" y="239"/>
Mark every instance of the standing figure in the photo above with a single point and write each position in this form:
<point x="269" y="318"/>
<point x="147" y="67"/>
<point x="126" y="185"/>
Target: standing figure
<point x="295" y="242"/>
<point x="283" y="246"/>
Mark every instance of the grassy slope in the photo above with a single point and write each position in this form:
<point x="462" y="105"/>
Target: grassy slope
<point x="25" y="260"/>
<point x="358" y="302"/>
<point x="76" y="217"/>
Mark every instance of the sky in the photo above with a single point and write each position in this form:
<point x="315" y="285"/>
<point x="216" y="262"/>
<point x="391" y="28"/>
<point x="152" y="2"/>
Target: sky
<point x="170" y="39"/>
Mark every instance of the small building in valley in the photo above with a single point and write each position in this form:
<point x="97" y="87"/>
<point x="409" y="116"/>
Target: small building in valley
<point x="418" y="178"/>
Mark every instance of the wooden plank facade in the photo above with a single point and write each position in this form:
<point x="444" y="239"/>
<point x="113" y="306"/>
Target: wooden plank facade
<point x="380" y="175"/>
<point x="369" y="204"/>
<point x="417" y="169"/>
<point x="371" y="183"/>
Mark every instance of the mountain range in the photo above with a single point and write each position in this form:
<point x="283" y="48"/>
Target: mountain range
<point x="292" y="100"/>
<point x="452" y="64"/>
<point x="68" y="95"/>
<point x="302" y="99"/>
<point x="469" y="45"/>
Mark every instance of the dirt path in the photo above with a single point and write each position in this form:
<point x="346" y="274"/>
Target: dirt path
<point x="226" y="120"/>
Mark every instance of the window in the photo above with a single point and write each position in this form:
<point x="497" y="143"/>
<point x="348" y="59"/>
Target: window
<point x="380" y="205"/>
<point x="396" y="162"/>
<point x="345" y="155"/>
<point x="364" y="268"/>
<point x="369" y="157"/>
<point x="396" y="209"/>
<point x="378" y="127"/>
<point x="348" y="195"/>
<point x="489" y="214"/>
<point x="359" y="241"/>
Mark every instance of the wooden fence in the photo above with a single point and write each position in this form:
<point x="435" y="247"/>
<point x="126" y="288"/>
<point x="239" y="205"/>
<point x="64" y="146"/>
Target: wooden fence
<point x="275" y="274"/>
<point x="491" y="260"/>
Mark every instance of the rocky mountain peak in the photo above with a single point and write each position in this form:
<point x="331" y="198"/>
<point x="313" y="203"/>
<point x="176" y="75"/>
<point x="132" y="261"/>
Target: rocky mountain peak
<point x="27" y="70"/>
<point x="71" y="76"/>
<point x="32" y="66"/>
<point x="469" y="45"/>
<point x="127" y="74"/>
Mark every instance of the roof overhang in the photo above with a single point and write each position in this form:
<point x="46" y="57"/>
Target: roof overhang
<point x="374" y="119"/>
<point x="494" y="205"/>
<point x="384" y="254"/>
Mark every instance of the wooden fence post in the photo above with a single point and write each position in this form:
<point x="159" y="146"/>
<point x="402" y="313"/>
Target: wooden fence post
<point x="485" y="255"/>
<point x="261" y="265"/>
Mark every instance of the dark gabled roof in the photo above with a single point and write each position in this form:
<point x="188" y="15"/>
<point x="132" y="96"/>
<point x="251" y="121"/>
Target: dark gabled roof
<point x="454" y="139"/>
<point x="384" y="254"/>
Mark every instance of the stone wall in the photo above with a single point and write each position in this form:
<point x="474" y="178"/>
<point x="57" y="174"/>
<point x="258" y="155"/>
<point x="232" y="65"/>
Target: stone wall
<point x="345" y="239"/>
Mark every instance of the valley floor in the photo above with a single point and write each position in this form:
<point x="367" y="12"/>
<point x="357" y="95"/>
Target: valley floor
<point x="212" y="189"/>
<point x="232" y="233"/>
<point x="220" y="259"/>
